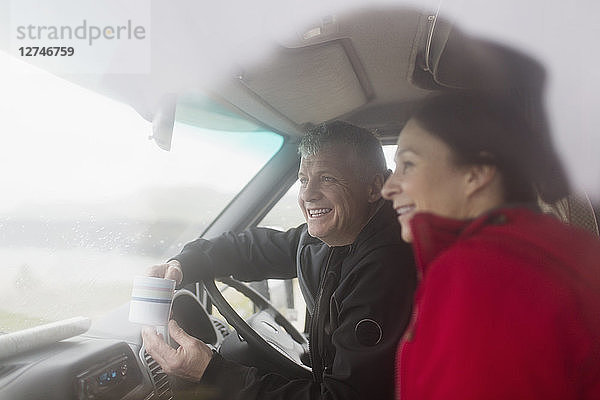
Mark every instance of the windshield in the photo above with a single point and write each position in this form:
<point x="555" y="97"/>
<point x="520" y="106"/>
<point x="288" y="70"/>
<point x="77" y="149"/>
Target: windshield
<point x="89" y="202"/>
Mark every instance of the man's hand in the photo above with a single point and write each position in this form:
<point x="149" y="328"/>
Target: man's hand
<point x="190" y="359"/>
<point x="171" y="270"/>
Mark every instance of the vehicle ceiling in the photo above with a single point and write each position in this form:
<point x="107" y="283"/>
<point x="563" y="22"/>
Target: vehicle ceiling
<point x="358" y="65"/>
<point x="287" y="63"/>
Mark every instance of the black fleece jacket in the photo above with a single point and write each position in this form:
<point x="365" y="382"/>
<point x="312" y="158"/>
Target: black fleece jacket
<point x="359" y="297"/>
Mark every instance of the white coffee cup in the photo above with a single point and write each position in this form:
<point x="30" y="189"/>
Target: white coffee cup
<point x="151" y="300"/>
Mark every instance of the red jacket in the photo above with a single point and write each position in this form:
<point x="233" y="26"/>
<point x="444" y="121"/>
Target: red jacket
<point x="508" y="307"/>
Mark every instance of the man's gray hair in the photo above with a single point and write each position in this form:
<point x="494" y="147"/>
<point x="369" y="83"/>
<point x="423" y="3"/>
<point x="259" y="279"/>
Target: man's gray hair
<point x="365" y="144"/>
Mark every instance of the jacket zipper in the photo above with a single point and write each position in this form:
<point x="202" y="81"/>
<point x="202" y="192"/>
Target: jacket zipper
<point x="314" y="321"/>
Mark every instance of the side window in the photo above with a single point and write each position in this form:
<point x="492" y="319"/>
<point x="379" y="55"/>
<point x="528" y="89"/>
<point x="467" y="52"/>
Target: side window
<point x="285" y="294"/>
<point x="286" y="213"/>
<point x="389" y="150"/>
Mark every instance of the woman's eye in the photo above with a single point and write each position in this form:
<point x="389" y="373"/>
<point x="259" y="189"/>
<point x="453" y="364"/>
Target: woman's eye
<point x="406" y="165"/>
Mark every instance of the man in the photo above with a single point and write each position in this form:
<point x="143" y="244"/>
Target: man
<point x="355" y="272"/>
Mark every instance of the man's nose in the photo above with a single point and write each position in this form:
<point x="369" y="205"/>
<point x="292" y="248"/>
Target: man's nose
<point x="310" y="192"/>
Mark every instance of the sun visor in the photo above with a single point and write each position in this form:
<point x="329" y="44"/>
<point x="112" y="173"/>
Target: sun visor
<point x="308" y="84"/>
<point x="457" y="60"/>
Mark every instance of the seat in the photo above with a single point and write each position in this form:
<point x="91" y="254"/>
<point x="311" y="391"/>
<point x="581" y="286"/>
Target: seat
<point x="575" y="209"/>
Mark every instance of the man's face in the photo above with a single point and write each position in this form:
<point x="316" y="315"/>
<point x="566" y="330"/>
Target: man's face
<point x="334" y="200"/>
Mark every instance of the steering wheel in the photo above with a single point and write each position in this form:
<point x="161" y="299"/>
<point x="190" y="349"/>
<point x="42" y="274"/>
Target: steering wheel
<point x="267" y="331"/>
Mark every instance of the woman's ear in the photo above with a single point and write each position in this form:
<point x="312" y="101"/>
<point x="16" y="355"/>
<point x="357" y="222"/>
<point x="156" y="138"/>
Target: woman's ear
<point x="375" y="188"/>
<point x="478" y="177"/>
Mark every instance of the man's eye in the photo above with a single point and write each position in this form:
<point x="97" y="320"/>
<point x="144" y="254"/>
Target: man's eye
<point x="328" y="179"/>
<point x="303" y="181"/>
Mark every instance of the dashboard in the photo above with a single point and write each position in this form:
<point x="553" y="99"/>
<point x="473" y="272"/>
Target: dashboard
<point x="78" y="368"/>
<point x="106" y="362"/>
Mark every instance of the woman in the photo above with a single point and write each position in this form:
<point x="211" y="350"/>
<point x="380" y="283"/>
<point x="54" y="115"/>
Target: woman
<point x="508" y="304"/>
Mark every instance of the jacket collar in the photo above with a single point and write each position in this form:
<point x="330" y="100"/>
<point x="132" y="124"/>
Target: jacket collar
<point x="383" y="215"/>
<point x="432" y="234"/>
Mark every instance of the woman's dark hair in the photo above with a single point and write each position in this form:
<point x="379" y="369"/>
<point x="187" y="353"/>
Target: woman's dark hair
<point x="486" y="129"/>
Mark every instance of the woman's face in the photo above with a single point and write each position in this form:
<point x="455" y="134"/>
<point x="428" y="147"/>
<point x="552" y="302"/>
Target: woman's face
<point x="426" y="179"/>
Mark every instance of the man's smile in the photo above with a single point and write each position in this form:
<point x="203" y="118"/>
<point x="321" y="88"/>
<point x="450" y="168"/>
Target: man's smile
<point x="318" y="212"/>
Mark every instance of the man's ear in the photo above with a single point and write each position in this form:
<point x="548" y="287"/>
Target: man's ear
<point x="479" y="177"/>
<point x="375" y="187"/>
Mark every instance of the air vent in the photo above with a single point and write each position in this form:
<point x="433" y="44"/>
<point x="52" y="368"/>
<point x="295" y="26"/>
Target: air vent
<point x="162" y="386"/>
<point x="221" y="328"/>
